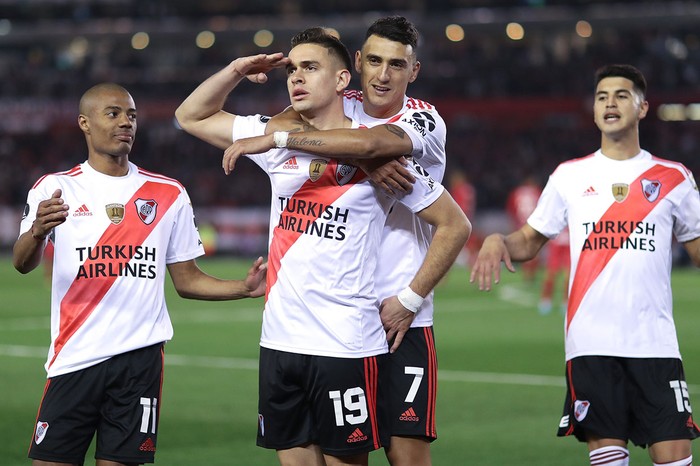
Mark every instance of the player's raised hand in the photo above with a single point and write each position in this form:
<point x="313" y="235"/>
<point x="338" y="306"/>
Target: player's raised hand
<point x="256" y="67"/>
<point x="50" y="213"/>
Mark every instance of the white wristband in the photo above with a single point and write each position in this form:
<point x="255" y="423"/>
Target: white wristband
<point x="280" y="138"/>
<point x="410" y="299"/>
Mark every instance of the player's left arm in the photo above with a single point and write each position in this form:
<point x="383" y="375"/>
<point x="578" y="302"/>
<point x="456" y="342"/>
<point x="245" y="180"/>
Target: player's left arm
<point x="377" y="151"/>
<point x="452" y="230"/>
<point x="360" y="143"/>
<point x="386" y="140"/>
<point x="192" y="282"/>
<point x="693" y="248"/>
<point x="687" y="220"/>
<point x="428" y="135"/>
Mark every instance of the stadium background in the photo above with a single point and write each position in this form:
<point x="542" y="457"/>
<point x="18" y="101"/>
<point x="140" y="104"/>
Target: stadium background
<point x="512" y="107"/>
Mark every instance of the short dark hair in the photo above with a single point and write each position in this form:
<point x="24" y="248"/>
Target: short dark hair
<point x="396" y="28"/>
<point x="622" y="71"/>
<point x="320" y="36"/>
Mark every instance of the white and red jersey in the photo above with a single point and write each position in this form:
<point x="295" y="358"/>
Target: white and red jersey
<point x="110" y="259"/>
<point x="326" y="228"/>
<point x="406" y="237"/>
<point x="622" y="216"/>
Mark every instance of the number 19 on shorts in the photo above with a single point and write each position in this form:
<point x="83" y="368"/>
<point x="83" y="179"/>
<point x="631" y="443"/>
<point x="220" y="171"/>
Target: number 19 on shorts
<point x="352" y="401"/>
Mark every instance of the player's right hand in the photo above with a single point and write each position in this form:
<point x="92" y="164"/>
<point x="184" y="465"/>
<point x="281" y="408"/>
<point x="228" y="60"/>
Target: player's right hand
<point x="245" y="146"/>
<point x="487" y="268"/>
<point x="50" y="213"/>
<point x="256" y="67"/>
<point x="392" y="176"/>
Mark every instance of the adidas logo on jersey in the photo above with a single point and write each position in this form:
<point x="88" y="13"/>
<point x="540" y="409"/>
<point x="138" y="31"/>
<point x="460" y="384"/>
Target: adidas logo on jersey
<point x="290" y="164"/>
<point x="82" y="211"/>
<point x="356" y="436"/>
<point x="590" y="192"/>
<point x="409" y="415"/>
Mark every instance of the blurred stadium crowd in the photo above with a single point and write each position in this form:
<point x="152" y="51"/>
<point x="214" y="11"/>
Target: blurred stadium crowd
<point x="513" y="107"/>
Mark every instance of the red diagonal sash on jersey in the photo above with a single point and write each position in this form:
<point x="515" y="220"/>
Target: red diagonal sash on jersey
<point x="83" y="296"/>
<point x="324" y="190"/>
<point x="592" y="261"/>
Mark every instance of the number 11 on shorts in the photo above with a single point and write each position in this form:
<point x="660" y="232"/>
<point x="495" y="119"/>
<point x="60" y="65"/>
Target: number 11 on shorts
<point x="149" y="414"/>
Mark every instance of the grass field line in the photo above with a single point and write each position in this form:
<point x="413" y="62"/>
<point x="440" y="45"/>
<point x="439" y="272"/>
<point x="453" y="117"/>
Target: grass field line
<point x="514" y="295"/>
<point x="245" y="314"/>
<point x="191" y="316"/>
<point x="248" y="314"/>
<point x="25" y="323"/>
<point x="252" y="364"/>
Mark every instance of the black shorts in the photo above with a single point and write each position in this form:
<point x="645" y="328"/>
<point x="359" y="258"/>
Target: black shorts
<point x="413" y="385"/>
<point x="331" y="402"/>
<point x="118" y="399"/>
<point x="638" y="399"/>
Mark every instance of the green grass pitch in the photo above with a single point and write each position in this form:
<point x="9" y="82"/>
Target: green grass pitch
<point x="501" y="385"/>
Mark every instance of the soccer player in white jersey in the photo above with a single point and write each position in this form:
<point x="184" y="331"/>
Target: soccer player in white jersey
<point x="327" y="269"/>
<point x="115" y="228"/>
<point x="623" y="206"/>
<point x="387" y="63"/>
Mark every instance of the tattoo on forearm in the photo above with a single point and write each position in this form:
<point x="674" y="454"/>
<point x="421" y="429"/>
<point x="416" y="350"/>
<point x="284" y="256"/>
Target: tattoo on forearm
<point x="396" y="130"/>
<point x="299" y="142"/>
<point x="301" y="128"/>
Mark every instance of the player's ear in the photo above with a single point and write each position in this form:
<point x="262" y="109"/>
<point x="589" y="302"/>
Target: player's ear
<point x="344" y="77"/>
<point x="643" y="109"/>
<point x="358" y="61"/>
<point x="414" y="71"/>
<point x="84" y="124"/>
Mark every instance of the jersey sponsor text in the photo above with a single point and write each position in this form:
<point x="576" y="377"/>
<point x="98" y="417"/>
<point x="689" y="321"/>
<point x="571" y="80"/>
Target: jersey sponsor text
<point x="310" y="218"/>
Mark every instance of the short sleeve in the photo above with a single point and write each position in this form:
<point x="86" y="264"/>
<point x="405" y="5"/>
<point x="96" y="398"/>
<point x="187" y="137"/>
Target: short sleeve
<point x="550" y="214"/>
<point x="185" y="243"/>
<point x="249" y="126"/>
<point x="428" y="134"/>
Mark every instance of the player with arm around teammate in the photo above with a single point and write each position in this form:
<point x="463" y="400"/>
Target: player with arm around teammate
<point x="116" y="228"/>
<point x="451" y="226"/>
<point x="623" y="206"/>
<point x="393" y="124"/>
